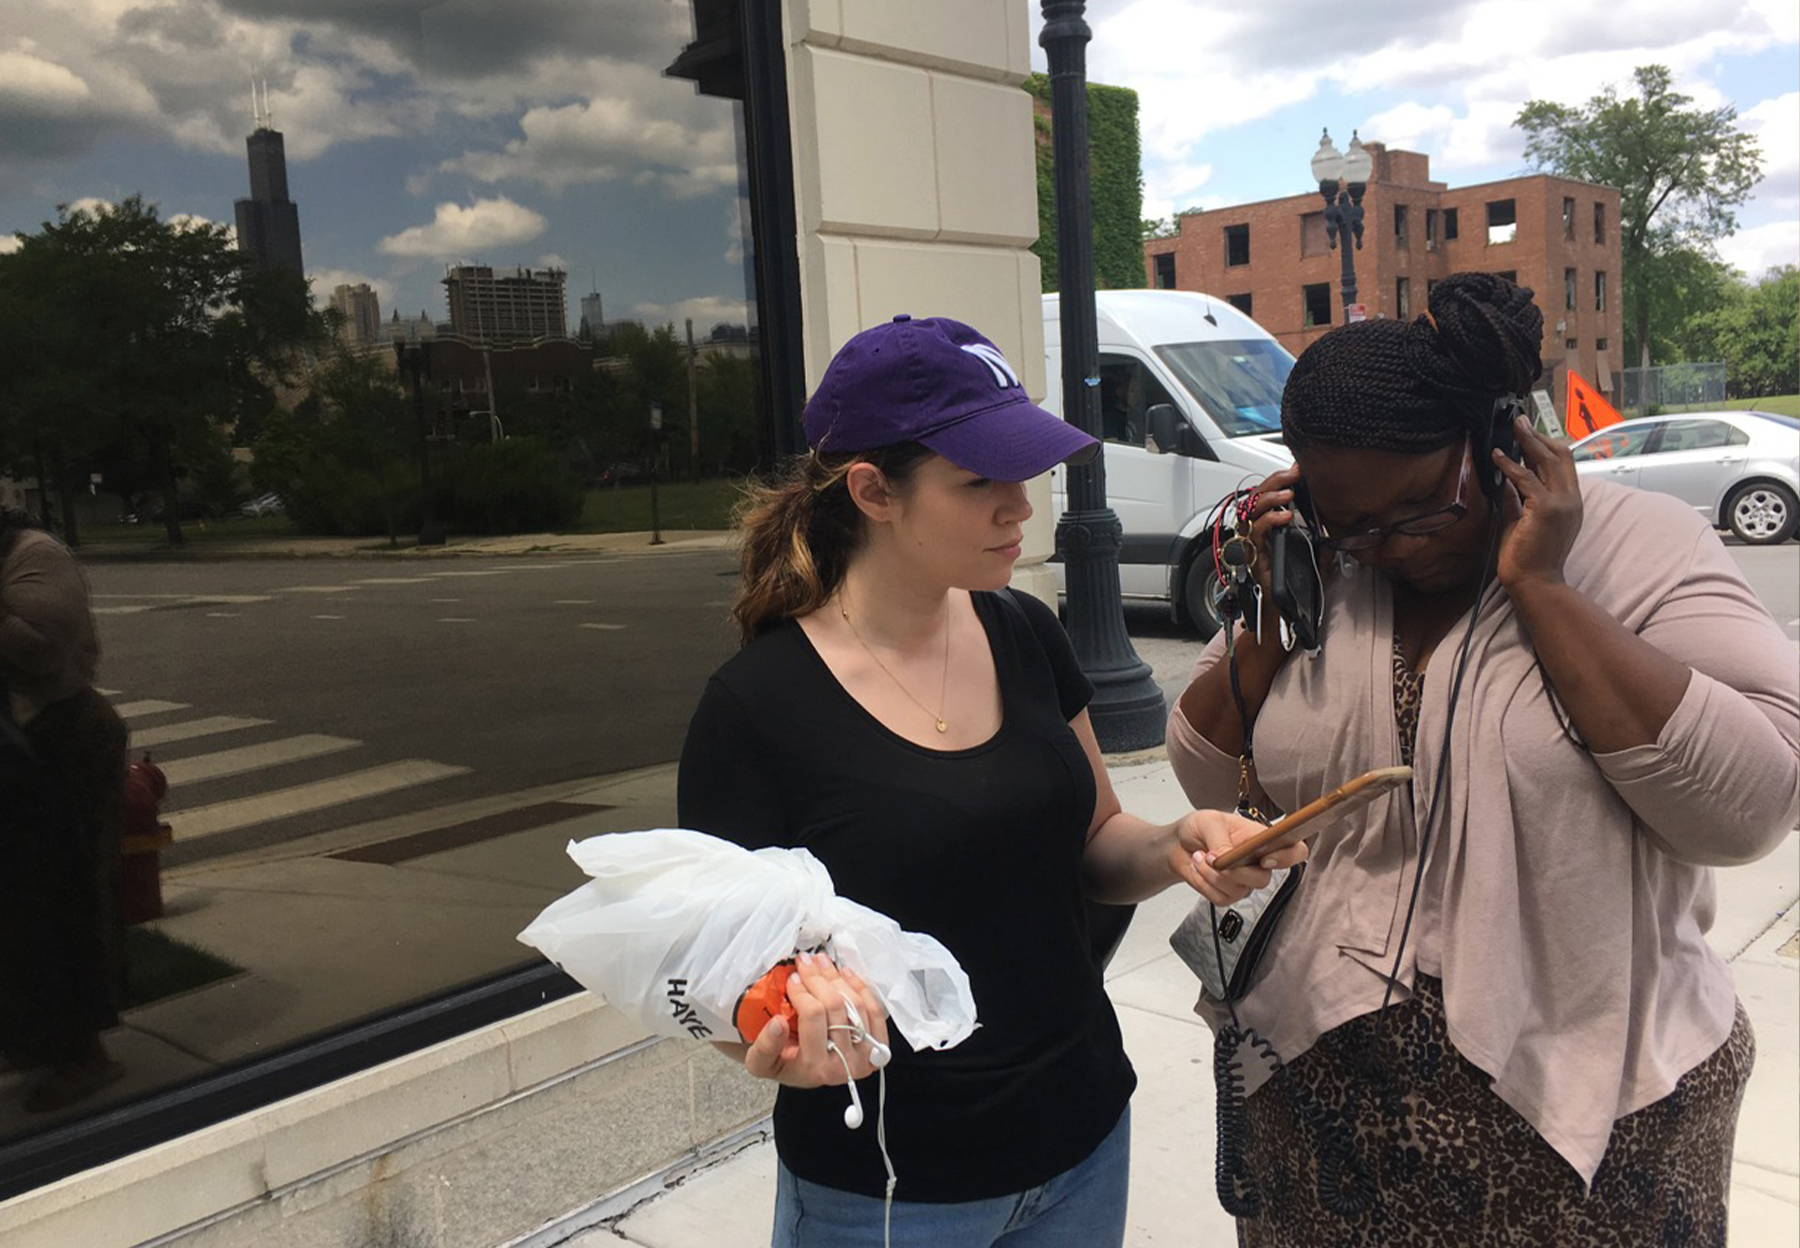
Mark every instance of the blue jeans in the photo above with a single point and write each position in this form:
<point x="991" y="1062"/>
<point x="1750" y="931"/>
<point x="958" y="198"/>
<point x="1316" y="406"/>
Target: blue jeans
<point x="1083" y="1207"/>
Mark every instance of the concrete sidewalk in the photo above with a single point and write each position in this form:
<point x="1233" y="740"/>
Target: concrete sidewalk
<point x="728" y="1203"/>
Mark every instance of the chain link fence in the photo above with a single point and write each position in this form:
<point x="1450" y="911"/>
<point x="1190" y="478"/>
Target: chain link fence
<point x="1671" y="387"/>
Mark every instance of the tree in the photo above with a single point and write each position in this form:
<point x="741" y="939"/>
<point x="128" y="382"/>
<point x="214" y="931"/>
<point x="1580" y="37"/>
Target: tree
<point x="139" y="342"/>
<point x="1680" y="170"/>
<point x="1757" y="334"/>
<point x="1683" y="287"/>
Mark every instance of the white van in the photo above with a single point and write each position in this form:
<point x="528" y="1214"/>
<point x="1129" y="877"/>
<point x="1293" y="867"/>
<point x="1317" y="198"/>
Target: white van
<point x="1223" y="374"/>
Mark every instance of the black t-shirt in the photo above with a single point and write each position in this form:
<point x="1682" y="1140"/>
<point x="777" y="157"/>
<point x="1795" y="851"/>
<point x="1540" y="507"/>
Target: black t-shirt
<point x="980" y="848"/>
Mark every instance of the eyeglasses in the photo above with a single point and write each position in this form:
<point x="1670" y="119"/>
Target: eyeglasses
<point x="1413" y="526"/>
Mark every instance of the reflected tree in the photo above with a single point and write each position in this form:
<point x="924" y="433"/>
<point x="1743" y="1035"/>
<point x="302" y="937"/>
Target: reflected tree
<point x="147" y="341"/>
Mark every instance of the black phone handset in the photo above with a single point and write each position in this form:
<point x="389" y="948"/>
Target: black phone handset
<point x="1499" y="433"/>
<point x="1296" y="588"/>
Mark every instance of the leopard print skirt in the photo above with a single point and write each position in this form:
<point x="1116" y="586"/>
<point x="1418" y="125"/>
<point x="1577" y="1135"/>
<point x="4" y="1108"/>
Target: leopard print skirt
<point x="1454" y="1166"/>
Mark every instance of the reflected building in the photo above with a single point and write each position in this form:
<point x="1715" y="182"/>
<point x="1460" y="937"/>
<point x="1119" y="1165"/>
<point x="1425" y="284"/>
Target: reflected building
<point x="593" y="317"/>
<point x="500" y="306"/>
<point x="268" y="222"/>
<point x="361" y="309"/>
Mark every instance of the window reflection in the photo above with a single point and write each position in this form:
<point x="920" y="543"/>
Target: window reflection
<point x="531" y="328"/>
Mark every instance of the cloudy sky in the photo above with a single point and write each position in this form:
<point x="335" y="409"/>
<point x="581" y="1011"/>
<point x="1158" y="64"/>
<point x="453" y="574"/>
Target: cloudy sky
<point x="421" y="133"/>
<point x="1232" y="95"/>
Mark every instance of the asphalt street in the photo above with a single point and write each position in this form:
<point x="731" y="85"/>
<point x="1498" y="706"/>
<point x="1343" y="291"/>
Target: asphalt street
<point x="289" y="697"/>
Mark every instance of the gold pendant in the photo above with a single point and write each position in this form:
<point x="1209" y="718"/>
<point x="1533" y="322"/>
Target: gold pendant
<point x="942" y="726"/>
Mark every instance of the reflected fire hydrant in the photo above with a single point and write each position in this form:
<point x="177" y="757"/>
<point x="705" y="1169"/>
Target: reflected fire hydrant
<point x="143" y="839"/>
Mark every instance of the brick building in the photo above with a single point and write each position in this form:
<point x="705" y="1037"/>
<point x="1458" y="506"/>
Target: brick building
<point x="1273" y="261"/>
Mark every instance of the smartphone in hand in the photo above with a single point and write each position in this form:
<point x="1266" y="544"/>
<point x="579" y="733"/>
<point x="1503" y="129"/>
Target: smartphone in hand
<point x="1290" y="829"/>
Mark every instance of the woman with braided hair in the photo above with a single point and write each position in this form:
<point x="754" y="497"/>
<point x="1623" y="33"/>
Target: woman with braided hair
<point x="1499" y="990"/>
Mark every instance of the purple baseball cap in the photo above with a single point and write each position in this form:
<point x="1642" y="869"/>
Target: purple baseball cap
<point x="936" y="381"/>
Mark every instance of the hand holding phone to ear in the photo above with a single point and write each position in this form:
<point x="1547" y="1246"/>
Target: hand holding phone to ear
<point x="1541" y="513"/>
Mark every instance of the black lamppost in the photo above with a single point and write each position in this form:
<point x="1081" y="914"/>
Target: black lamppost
<point x="1128" y="712"/>
<point x="414" y="358"/>
<point x="1342" y="179"/>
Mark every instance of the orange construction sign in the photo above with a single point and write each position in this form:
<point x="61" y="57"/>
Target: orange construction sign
<point x="1585" y="411"/>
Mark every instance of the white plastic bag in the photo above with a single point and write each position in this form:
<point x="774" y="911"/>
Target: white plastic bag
<point x="676" y="924"/>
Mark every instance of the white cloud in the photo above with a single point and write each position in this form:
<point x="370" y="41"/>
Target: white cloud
<point x="737" y="223"/>
<point x="594" y="140"/>
<point x="39" y="83"/>
<point x="1756" y="250"/>
<point x="706" y="311"/>
<point x="550" y="260"/>
<point x="1205" y="68"/>
<point x="1776" y="125"/>
<point x="1169" y="189"/>
<point x="10" y="243"/>
<point x="459" y="232"/>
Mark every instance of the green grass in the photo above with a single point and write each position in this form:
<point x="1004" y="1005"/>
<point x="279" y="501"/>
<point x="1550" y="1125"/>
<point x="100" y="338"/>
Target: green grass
<point x="680" y="504"/>
<point x="158" y="966"/>
<point x="1780" y="404"/>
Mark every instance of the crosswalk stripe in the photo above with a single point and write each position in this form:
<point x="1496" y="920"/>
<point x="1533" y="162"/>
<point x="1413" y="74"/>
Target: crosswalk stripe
<point x="108" y="693"/>
<point x="317" y="589"/>
<point x="148" y="706"/>
<point x="131" y="610"/>
<point x="163" y="734"/>
<point x="243" y="812"/>
<point x="605" y="628"/>
<point x="253" y="757"/>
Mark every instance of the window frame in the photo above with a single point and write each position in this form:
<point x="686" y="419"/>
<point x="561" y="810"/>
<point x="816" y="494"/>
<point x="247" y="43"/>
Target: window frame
<point x="119" y="1130"/>
<point x="1239" y="230"/>
<point x="1511" y="207"/>
<point x="1307" y="320"/>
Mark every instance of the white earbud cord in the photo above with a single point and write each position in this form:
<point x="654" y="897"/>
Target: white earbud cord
<point x="879" y="1056"/>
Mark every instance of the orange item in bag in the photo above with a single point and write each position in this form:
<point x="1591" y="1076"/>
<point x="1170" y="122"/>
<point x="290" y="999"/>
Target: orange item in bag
<point x="765" y="999"/>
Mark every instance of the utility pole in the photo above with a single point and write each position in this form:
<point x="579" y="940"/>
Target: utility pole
<point x="693" y="406"/>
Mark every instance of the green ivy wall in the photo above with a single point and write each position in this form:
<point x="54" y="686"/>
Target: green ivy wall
<point x="1115" y="178"/>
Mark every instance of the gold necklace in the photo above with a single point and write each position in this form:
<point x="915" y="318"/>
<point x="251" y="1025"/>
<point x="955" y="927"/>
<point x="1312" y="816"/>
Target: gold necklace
<point x="937" y="717"/>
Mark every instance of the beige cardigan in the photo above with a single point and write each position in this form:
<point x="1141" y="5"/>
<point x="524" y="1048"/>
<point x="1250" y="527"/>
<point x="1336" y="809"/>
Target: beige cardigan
<point x="48" y="646"/>
<point x="1567" y="895"/>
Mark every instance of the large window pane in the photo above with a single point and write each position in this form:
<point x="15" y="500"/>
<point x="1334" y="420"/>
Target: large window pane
<point x="533" y="240"/>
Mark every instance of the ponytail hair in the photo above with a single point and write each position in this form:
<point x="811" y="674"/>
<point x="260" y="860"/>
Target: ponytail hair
<point x="800" y="531"/>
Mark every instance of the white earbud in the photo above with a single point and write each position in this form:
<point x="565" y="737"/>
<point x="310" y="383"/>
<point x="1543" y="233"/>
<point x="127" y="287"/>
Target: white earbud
<point x="879" y="1054"/>
<point x="853" y="1112"/>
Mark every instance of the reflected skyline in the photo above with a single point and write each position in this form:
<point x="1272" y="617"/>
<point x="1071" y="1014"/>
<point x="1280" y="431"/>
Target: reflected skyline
<point x="418" y="136"/>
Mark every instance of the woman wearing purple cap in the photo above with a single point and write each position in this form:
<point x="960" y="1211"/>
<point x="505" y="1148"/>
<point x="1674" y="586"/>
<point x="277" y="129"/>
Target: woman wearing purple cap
<point x="923" y="731"/>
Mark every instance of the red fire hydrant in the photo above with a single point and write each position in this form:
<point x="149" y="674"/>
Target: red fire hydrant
<point x="143" y="839"/>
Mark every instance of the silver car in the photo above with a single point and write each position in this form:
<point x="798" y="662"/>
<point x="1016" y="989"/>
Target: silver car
<point x="1739" y="469"/>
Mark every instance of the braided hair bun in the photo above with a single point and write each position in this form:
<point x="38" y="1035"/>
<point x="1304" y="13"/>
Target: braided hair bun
<point x="1416" y="386"/>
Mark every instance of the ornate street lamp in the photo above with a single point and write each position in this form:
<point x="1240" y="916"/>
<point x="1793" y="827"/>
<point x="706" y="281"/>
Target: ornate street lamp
<point x="1342" y="179"/>
<point x="1128" y="712"/>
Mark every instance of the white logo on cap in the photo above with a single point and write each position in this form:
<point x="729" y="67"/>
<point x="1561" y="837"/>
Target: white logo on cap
<point x="1003" y="372"/>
